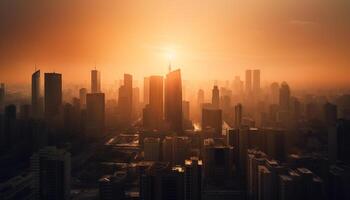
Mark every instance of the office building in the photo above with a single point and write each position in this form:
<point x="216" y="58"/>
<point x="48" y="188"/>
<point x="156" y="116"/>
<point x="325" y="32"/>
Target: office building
<point x="212" y="118"/>
<point x="36" y="98"/>
<point x="248" y="81"/>
<point x="125" y="101"/>
<point x="156" y="101"/>
<point x="95" y="114"/>
<point x="256" y="82"/>
<point x="146" y="83"/>
<point x="82" y="97"/>
<point x="238" y="115"/>
<point x="284" y="98"/>
<point x="51" y="168"/>
<point x="181" y="149"/>
<point x="215" y="99"/>
<point x="274" y="93"/>
<point x="193" y="179"/>
<point x="95" y="81"/>
<point x="53" y="95"/>
<point x="173" y="101"/>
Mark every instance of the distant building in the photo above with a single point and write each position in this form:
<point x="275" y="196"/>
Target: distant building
<point x="36" y="98"/>
<point x="82" y="97"/>
<point x="215" y="97"/>
<point x="155" y="107"/>
<point x="274" y="93"/>
<point x="95" y="81"/>
<point x="95" y="114"/>
<point x="238" y="115"/>
<point x="256" y="82"/>
<point x="248" y="81"/>
<point x="173" y="101"/>
<point x="284" y="99"/>
<point x="53" y="94"/>
<point x="51" y="168"/>
<point x="146" y="90"/>
<point x="212" y="118"/>
<point x="125" y="98"/>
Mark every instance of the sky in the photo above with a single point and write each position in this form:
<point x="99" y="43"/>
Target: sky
<point x="301" y="42"/>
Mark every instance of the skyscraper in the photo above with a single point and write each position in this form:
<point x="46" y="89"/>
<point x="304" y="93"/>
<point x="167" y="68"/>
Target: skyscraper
<point x="95" y="81"/>
<point x="53" y="94"/>
<point x="125" y="100"/>
<point x="82" y="97"/>
<point x="274" y="93"/>
<point x="238" y="115"/>
<point x="95" y="113"/>
<point x="146" y="90"/>
<point x="284" y="100"/>
<point x="51" y="168"/>
<point x="256" y="82"/>
<point x="248" y="81"/>
<point x="36" y="94"/>
<point x="173" y="101"/>
<point x="215" y="98"/>
<point x="156" y="101"/>
<point x="212" y="118"/>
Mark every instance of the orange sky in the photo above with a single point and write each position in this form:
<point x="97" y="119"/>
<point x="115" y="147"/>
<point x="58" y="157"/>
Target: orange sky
<point x="295" y="40"/>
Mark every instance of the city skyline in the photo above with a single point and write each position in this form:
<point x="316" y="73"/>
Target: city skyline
<point x="174" y="100"/>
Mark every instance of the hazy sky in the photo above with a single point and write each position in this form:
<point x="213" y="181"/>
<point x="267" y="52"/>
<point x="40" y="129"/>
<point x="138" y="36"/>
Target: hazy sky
<point x="294" y="40"/>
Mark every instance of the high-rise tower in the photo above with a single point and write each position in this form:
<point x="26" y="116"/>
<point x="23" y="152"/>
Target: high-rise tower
<point x="53" y="94"/>
<point x="173" y="100"/>
<point x="95" y="81"/>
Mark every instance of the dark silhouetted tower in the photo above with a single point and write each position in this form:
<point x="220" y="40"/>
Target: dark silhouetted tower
<point x="82" y="97"/>
<point x="125" y="100"/>
<point x="284" y="100"/>
<point x="256" y="81"/>
<point x="95" y="113"/>
<point x="238" y="115"/>
<point x="156" y="101"/>
<point x="95" y="81"/>
<point x="36" y="105"/>
<point x="173" y="101"/>
<point x="146" y="90"/>
<point x="53" y="94"/>
<point x="215" y="99"/>
<point x="248" y="81"/>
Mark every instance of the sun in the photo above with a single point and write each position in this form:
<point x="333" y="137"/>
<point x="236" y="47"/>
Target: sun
<point x="170" y="55"/>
